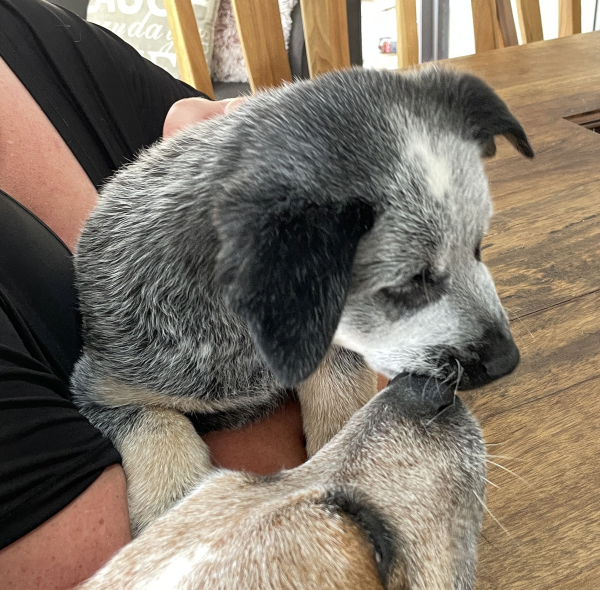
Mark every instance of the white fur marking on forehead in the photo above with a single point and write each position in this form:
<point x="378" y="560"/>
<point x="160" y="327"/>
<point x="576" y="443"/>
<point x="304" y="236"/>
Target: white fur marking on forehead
<point x="438" y="172"/>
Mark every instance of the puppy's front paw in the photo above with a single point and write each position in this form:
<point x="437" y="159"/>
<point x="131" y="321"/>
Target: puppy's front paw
<point x="164" y="459"/>
<point x="339" y="387"/>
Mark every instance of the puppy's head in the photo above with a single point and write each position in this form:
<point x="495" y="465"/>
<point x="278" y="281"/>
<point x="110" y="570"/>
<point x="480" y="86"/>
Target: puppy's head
<point x="353" y="211"/>
<point x="394" y="501"/>
<point x="413" y="462"/>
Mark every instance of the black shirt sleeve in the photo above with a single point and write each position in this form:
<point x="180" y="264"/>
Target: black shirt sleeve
<point x="107" y="103"/>
<point x="49" y="453"/>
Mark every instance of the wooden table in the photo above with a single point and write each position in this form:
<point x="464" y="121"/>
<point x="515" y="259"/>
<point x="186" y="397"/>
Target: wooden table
<point x="544" y="253"/>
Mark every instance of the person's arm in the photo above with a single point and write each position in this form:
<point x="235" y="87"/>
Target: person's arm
<point x="73" y="544"/>
<point x="38" y="167"/>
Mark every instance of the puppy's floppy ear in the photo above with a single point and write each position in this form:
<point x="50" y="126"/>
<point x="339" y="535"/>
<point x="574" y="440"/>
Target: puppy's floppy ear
<point x="486" y="115"/>
<point x="352" y="504"/>
<point x="285" y="265"/>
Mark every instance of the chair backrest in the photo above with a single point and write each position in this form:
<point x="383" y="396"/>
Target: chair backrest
<point x="530" y="19"/>
<point x="493" y="25"/>
<point x="261" y="36"/>
<point x="326" y="35"/>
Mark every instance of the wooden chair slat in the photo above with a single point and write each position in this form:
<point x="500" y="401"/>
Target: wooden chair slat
<point x="407" y="45"/>
<point x="486" y="25"/>
<point x="326" y="35"/>
<point x="188" y="46"/>
<point x="507" y="23"/>
<point x="530" y="20"/>
<point x="263" y="45"/>
<point x="569" y="17"/>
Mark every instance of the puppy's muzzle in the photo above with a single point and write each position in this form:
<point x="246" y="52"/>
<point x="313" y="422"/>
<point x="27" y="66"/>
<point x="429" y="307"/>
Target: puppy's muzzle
<point x="495" y="356"/>
<point x="421" y="395"/>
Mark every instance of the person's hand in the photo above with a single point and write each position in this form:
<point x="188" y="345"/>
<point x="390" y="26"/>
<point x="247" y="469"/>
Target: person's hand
<point x="278" y="441"/>
<point x="188" y="111"/>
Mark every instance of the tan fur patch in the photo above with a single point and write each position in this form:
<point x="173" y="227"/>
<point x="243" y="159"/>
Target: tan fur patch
<point x="237" y="531"/>
<point x="288" y="540"/>
<point x="163" y="460"/>
<point x="331" y="395"/>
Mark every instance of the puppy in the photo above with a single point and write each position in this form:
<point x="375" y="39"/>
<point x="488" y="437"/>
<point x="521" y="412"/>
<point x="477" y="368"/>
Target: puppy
<point x="393" y="501"/>
<point x="317" y="233"/>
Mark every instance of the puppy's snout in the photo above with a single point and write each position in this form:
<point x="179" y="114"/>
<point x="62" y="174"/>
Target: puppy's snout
<point x="496" y="355"/>
<point x="424" y="394"/>
<point x="500" y="356"/>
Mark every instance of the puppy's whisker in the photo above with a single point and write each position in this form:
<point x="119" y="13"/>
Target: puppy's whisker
<point x="494" y="518"/>
<point x="437" y="415"/>
<point x="425" y="286"/>
<point x="528" y="330"/>
<point x="491" y="483"/>
<point x="425" y="388"/>
<point x="511" y="472"/>
<point x="505" y="457"/>
<point x="460" y="372"/>
<point x="512" y="314"/>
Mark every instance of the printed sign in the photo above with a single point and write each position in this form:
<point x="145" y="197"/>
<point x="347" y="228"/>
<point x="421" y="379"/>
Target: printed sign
<point x="144" y="25"/>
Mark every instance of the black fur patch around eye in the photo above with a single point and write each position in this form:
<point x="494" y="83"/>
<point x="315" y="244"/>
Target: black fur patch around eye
<point x="424" y="288"/>
<point x="371" y="522"/>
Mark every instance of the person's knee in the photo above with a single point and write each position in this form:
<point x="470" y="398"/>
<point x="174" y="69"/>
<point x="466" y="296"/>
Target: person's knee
<point x="74" y="543"/>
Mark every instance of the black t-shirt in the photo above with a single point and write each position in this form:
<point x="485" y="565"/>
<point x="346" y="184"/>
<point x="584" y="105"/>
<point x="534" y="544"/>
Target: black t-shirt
<point x="107" y="103"/>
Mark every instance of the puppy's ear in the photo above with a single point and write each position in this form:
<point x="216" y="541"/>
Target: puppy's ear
<point x="350" y="503"/>
<point x="486" y="115"/>
<point x="285" y="266"/>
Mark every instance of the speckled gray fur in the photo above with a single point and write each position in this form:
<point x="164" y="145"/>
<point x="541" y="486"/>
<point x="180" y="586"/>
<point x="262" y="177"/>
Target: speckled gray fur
<point x="223" y="263"/>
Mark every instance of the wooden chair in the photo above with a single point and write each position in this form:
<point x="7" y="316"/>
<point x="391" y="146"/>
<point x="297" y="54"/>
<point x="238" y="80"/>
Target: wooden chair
<point x="530" y="19"/>
<point x="261" y="36"/>
<point x="493" y="24"/>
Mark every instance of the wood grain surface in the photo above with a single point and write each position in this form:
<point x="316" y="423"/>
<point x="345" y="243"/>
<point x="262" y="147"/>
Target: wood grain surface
<point x="485" y="27"/>
<point x="530" y="20"/>
<point x="569" y="17"/>
<point x="543" y="249"/>
<point x="506" y="22"/>
<point x="407" y="46"/>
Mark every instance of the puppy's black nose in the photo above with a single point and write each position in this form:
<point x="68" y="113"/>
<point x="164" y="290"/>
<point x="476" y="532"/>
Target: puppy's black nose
<point x="500" y="356"/>
<point x="495" y="356"/>
<point x="424" y="394"/>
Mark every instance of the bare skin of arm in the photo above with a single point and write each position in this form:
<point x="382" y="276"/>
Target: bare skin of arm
<point x="38" y="169"/>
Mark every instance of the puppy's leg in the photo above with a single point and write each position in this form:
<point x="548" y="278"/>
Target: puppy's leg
<point x="341" y="385"/>
<point x="164" y="459"/>
<point x="163" y="456"/>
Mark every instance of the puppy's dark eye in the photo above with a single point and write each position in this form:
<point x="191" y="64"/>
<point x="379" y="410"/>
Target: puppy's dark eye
<point x="419" y="290"/>
<point x="425" y="277"/>
<point x="478" y="252"/>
